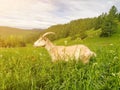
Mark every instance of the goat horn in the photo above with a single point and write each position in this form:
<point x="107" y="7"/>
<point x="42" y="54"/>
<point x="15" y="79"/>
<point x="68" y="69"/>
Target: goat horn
<point x="47" y="34"/>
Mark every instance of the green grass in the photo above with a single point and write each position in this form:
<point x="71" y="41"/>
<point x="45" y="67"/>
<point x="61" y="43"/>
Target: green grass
<point x="31" y="68"/>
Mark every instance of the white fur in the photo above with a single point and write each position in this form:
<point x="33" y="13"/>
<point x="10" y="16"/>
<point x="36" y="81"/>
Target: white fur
<point x="77" y="52"/>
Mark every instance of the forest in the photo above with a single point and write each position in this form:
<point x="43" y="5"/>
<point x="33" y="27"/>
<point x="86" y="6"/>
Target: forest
<point x="106" y="22"/>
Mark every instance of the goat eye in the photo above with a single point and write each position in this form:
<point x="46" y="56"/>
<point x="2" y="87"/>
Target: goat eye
<point x="38" y="41"/>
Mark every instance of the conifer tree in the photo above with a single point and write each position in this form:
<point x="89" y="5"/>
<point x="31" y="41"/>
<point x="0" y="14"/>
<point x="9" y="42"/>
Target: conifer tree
<point x="109" y="25"/>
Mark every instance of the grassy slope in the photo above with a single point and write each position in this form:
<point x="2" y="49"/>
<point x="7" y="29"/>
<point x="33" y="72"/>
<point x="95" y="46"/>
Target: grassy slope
<point x="31" y="68"/>
<point x="7" y="31"/>
<point x="93" y="39"/>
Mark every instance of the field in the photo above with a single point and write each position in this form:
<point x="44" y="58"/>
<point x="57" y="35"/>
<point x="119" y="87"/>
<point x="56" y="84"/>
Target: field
<point x="25" y="67"/>
<point x="31" y="68"/>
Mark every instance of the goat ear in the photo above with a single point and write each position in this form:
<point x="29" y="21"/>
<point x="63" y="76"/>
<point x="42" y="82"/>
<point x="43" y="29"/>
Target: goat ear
<point x="44" y="38"/>
<point x="41" y="37"/>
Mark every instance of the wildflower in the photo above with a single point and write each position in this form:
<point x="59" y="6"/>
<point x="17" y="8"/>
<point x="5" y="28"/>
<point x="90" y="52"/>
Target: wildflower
<point x="113" y="74"/>
<point x="65" y="42"/>
<point x="115" y="58"/>
<point x="111" y="44"/>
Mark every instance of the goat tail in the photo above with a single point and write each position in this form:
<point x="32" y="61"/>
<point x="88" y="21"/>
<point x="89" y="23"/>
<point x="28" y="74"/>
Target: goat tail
<point x="94" y="54"/>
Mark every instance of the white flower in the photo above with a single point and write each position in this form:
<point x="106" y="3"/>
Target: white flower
<point x="111" y="44"/>
<point x="113" y="74"/>
<point x="115" y="57"/>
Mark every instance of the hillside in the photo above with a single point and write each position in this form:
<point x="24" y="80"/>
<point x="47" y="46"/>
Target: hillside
<point x="93" y="38"/>
<point x="107" y="23"/>
<point x="14" y="37"/>
<point x="8" y="31"/>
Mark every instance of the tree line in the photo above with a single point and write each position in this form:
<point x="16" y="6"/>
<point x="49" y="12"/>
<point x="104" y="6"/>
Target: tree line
<point x="106" y="22"/>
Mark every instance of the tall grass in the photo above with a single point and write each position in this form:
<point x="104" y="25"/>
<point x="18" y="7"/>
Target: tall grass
<point x="32" y="69"/>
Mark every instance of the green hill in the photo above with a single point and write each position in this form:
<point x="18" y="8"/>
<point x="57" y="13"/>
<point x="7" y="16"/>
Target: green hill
<point x="8" y="31"/>
<point x="108" y="24"/>
<point x="14" y="37"/>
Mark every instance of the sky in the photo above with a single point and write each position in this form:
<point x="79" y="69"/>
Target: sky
<point x="29" y="14"/>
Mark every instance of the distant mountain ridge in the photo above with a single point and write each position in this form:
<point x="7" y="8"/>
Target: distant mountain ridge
<point x="7" y="31"/>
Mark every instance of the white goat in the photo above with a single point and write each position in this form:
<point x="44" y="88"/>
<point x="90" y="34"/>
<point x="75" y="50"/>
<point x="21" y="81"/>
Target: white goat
<point x="77" y="52"/>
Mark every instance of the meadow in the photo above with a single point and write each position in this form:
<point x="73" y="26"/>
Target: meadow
<point x="24" y="67"/>
<point x="30" y="68"/>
